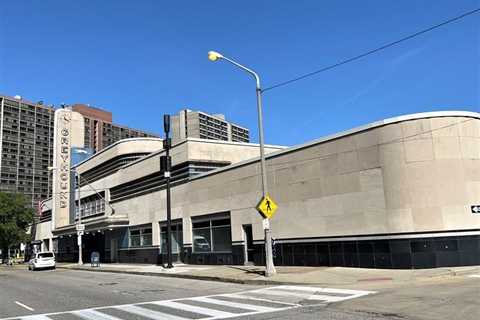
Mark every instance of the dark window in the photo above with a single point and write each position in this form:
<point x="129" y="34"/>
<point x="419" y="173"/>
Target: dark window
<point x="140" y="237"/>
<point x="212" y="235"/>
<point x="176" y="240"/>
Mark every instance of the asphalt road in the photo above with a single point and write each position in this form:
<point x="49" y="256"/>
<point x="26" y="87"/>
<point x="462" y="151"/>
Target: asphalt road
<point x="442" y="298"/>
<point x="75" y="295"/>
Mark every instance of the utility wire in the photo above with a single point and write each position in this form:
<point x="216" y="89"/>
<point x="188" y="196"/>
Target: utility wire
<point x="391" y="44"/>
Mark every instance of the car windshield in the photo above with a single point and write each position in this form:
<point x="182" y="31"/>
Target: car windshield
<point x="45" y="255"/>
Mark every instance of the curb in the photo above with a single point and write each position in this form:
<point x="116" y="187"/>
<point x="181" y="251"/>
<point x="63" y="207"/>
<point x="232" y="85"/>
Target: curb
<point x="265" y="282"/>
<point x="193" y="277"/>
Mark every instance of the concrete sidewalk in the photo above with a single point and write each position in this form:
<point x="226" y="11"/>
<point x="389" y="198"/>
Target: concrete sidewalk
<point x="338" y="276"/>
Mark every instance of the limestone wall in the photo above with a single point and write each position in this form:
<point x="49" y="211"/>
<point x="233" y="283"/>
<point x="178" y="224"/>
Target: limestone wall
<point x="406" y="176"/>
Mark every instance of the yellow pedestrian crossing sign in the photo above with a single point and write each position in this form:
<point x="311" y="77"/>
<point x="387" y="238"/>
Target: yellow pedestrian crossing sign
<point x="267" y="207"/>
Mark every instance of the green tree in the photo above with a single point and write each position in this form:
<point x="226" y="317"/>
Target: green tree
<point x="15" y="218"/>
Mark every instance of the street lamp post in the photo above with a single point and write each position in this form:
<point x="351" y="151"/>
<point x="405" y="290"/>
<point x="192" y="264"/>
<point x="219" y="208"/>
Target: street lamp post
<point x="167" y="163"/>
<point x="269" y="266"/>
<point x="79" y="232"/>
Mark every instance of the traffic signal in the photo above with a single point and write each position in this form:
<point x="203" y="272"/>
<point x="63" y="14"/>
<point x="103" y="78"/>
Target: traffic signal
<point x="165" y="163"/>
<point x="166" y="123"/>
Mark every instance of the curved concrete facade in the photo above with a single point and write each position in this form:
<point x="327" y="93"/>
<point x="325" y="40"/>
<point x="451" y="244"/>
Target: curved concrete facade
<point x="119" y="148"/>
<point x="417" y="175"/>
<point x="393" y="194"/>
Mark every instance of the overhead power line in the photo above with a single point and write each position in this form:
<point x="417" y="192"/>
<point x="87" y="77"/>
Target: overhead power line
<point x="388" y="45"/>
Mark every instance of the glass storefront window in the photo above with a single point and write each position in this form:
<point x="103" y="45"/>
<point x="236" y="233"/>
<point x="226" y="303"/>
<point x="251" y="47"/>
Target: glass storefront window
<point x="212" y="235"/>
<point x="141" y="237"/>
<point x="146" y="237"/>
<point x="176" y="237"/>
<point x="222" y="239"/>
<point x="134" y="238"/>
<point x="202" y="240"/>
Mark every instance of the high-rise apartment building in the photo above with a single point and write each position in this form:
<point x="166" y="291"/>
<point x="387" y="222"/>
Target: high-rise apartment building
<point x="26" y="147"/>
<point x="197" y="124"/>
<point x="26" y="143"/>
<point x="100" y="132"/>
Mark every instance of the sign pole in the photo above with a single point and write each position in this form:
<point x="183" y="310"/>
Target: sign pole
<point x="166" y="146"/>
<point x="79" y="233"/>
<point x="269" y="266"/>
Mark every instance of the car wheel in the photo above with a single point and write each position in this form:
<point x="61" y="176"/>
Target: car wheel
<point x="29" y="267"/>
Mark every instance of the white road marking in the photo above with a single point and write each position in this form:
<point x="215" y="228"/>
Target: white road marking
<point x="195" y="309"/>
<point x="151" y="314"/>
<point x="309" y="293"/>
<point x="329" y="290"/>
<point x="234" y="304"/>
<point x="210" y="312"/>
<point x="346" y="293"/>
<point x="90" y="314"/>
<point x="24" y="306"/>
<point x="283" y="293"/>
<point x="242" y="295"/>
<point x="474" y="276"/>
<point x="35" y="317"/>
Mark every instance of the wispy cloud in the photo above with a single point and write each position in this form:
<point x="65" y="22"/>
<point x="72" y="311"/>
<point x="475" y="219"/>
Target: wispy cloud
<point x="394" y="64"/>
<point x="407" y="55"/>
<point x="390" y="68"/>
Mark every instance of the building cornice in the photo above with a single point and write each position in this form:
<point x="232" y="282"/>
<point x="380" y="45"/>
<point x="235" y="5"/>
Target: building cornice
<point x="373" y="125"/>
<point x="24" y="101"/>
<point x="116" y="144"/>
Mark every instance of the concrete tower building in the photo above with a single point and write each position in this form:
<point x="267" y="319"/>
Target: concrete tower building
<point x="27" y="138"/>
<point x="26" y="144"/>
<point x="197" y="124"/>
<point x="100" y="132"/>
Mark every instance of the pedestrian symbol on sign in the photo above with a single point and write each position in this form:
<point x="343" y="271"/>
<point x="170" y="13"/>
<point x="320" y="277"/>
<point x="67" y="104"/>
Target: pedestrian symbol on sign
<point x="267" y="207"/>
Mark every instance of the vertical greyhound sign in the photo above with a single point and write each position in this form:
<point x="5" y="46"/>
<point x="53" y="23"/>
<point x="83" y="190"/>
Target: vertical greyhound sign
<point x="61" y="172"/>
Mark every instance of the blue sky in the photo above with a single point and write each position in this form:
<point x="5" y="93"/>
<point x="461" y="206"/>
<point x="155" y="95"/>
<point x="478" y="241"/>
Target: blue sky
<point x="141" y="59"/>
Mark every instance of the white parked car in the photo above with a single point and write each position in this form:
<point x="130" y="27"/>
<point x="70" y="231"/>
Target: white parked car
<point x="201" y="243"/>
<point x="42" y="260"/>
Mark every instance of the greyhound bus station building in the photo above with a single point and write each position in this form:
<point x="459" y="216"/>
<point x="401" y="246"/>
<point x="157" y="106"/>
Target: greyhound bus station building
<point x="397" y="193"/>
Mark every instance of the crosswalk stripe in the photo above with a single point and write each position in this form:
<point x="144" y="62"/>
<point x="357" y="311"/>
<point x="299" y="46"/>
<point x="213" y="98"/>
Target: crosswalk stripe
<point x="307" y="296"/>
<point x="346" y="291"/>
<point x="322" y="290"/>
<point x="244" y="296"/>
<point x="90" y="314"/>
<point x="151" y="314"/>
<point x="282" y="293"/>
<point x="195" y="309"/>
<point x="209" y="307"/>
<point x="235" y="304"/>
<point x="36" y="317"/>
<point x="322" y="297"/>
<point x="310" y="293"/>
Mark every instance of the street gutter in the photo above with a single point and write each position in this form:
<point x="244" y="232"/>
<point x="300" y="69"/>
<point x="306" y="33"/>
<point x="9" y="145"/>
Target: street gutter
<point x="446" y="272"/>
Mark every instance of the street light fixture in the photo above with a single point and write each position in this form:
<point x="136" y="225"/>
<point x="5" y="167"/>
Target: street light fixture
<point x="214" y="56"/>
<point x="269" y="266"/>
